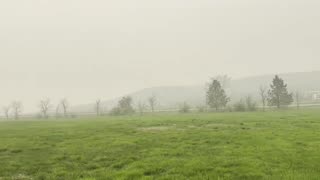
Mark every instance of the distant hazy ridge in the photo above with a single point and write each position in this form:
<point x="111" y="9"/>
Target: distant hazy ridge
<point x="173" y="96"/>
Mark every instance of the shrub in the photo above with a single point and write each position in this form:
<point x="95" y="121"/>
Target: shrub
<point x="124" y="107"/>
<point x="185" y="108"/>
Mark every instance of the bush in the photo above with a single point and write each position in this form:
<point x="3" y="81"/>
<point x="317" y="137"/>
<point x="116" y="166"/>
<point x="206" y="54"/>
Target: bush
<point x="124" y="107"/>
<point x="185" y="108"/>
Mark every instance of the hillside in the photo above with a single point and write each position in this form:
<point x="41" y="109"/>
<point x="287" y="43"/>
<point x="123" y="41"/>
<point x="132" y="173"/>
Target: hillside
<point x="173" y="96"/>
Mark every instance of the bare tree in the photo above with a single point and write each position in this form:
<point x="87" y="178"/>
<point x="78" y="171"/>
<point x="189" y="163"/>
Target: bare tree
<point x="297" y="97"/>
<point x="65" y="105"/>
<point x="44" y="106"/>
<point x="6" y="111"/>
<point x="57" y="111"/>
<point x="17" y="109"/>
<point x="263" y="91"/>
<point x="97" y="107"/>
<point x="152" y="102"/>
<point x="141" y="107"/>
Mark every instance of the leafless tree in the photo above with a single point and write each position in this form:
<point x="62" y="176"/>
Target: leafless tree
<point x="57" y="111"/>
<point x="141" y="107"/>
<point x="17" y="109"/>
<point x="152" y="102"/>
<point x="297" y="97"/>
<point x="65" y="105"/>
<point x="6" y="111"/>
<point x="44" y="106"/>
<point x="263" y="91"/>
<point x="97" y="107"/>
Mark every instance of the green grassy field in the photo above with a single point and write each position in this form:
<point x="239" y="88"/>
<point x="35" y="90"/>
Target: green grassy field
<point x="271" y="145"/>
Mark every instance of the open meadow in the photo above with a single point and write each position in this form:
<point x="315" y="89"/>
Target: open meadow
<point x="257" y="145"/>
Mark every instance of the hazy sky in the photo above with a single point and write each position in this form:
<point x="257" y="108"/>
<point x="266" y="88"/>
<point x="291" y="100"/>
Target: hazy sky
<point x="85" y="49"/>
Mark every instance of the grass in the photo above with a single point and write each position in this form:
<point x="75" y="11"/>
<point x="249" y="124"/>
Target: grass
<point x="271" y="145"/>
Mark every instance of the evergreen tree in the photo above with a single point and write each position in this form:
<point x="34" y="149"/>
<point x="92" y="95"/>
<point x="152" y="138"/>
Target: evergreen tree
<point x="278" y="94"/>
<point x="216" y="96"/>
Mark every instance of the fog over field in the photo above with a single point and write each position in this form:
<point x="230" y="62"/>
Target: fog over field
<point x="84" y="50"/>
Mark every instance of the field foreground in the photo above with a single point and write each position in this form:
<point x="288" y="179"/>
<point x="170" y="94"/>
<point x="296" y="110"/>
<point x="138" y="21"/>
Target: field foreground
<point x="271" y="145"/>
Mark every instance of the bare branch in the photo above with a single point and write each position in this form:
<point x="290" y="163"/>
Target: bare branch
<point x="44" y="106"/>
<point x="65" y="105"/>
<point x="6" y="111"/>
<point x="152" y="102"/>
<point x="263" y="91"/>
<point x="17" y="109"/>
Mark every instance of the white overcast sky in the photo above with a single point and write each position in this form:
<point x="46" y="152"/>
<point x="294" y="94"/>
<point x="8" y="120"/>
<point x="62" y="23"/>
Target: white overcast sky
<point x="85" y="49"/>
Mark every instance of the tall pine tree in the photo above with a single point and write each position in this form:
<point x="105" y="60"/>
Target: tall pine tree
<point x="278" y="94"/>
<point x="216" y="96"/>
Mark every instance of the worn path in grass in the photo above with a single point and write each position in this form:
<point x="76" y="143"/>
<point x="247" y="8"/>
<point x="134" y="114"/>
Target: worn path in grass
<point x="271" y="145"/>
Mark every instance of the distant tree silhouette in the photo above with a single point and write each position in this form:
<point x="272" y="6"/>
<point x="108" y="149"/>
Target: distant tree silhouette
<point x="124" y="107"/>
<point x="297" y="97"/>
<point x="264" y="96"/>
<point x="17" y="109"/>
<point x="152" y="102"/>
<point x="6" y="111"/>
<point x="278" y="94"/>
<point x="97" y="107"/>
<point x="44" y="106"/>
<point x="185" y="108"/>
<point x="65" y="105"/>
<point x="216" y="96"/>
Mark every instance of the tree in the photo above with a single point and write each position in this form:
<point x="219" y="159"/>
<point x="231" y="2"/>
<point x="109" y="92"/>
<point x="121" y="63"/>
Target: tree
<point x="65" y="105"/>
<point x="6" y="111"/>
<point x="97" y="107"/>
<point x="224" y="80"/>
<point x="264" y="96"/>
<point x="124" y="107"/>
<point x="125" y="104"/>
<point x="17" y="109"/>
<point x="278" y="94"/>
<point x="141" y="108"/>
<point x="297" y="97"/>
<point x="44" y="106"/>
<point x="216" y="96"/>
<point x="152" y="102"/>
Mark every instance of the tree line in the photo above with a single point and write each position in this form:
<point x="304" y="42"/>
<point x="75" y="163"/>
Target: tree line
<point x="14" y="110"/>
<point x="276" y="95"/>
